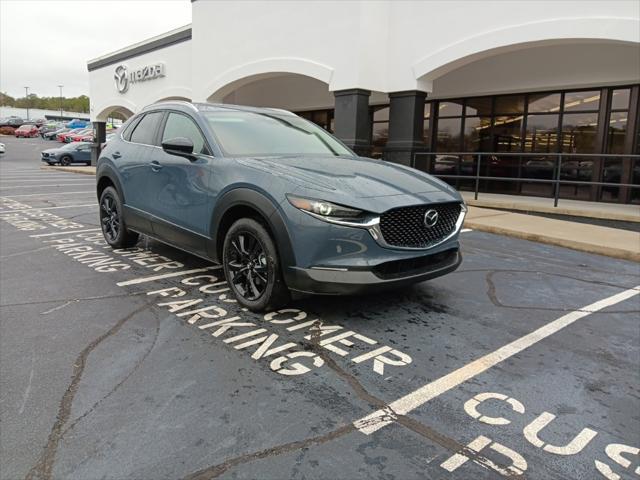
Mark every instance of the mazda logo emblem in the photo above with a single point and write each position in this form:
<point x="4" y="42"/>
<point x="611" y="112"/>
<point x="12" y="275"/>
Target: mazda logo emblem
<point x="121" y="78"/>
<point x="430" y="218"/>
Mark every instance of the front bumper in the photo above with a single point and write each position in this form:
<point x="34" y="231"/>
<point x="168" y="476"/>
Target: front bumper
<point x="389" y="275"/>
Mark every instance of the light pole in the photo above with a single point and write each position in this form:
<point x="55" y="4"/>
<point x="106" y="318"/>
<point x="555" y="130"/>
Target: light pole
<point x="26" y="97"/>
<point x="60" y="87"/>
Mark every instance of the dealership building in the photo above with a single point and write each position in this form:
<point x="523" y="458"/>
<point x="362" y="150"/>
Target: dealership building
<point x="518" y="94"/>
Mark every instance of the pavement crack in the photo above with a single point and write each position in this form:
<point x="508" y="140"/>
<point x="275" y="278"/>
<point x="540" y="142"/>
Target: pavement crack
<point x="72" y="300"/>
<point x="25" y="252"/>
<point x="42" y="470"/>
<point x="121" y="382"/>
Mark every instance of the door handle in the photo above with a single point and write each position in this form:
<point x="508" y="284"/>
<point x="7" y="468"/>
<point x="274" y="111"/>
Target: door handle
<point x="155" y="166"/>
<point x="116" y="155"/>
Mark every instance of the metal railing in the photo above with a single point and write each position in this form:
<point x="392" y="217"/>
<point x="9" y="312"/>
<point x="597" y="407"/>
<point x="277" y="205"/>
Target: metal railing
<point x="445" y="159"/>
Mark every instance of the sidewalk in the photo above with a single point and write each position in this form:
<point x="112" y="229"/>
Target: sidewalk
<point x="576" y="208"/>
<point x="607" y="241"/>
<point x="83" y="170"/>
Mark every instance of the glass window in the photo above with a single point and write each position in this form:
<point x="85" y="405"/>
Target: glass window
<point x="381" y="114"/>
<point x="617" y="132"/>
<point x="544" y="103"/>
<point x="510" y="104"/>
<point x="620" y="99"/>
<point x="179" y="125"/>
<point x="542" y="133"/>
<point x="579" y="132"/>
<point x="479" y="106"/>
<point x="427" y="110"/>
<point x="448" y="136"/>
<point x="477" y="134"/>
<point x="144" y="132"/>
<point x="581" y="101"/>
<point x="270" y="134"/>
<point x="507" y="133"/>
<point x="450" y="108"/>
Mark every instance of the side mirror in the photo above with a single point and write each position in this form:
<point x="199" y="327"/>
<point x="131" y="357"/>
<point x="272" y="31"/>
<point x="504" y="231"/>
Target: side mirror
<point x="181" y="146"/>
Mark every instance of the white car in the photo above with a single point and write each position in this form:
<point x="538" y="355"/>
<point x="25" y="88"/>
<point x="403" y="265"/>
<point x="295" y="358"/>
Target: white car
<point x="2" y="149"/>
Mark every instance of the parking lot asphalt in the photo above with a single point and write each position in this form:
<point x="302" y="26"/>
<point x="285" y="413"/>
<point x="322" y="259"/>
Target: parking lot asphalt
<point x="138" y="364"/>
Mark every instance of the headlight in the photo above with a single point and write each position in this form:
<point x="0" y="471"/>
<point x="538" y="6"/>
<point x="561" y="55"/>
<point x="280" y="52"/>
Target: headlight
<point x="324" y="208"/>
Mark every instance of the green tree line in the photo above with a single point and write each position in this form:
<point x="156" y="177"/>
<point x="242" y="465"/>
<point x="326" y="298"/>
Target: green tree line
<point x="72" y="104"/>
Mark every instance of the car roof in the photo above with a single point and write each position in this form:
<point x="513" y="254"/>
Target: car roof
<point x="212" y="107"/>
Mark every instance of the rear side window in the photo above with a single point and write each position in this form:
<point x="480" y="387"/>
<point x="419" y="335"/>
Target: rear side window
<point x="145" y="131"/>
<point x="179" y="125"/>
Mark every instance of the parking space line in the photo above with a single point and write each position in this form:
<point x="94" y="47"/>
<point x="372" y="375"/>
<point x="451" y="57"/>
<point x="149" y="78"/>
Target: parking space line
<point x="65" y="232"/>
<point x="45" y="194"/>
<point x="136" y="281"/>
<point x="380" y="418"/>
<point x="49" y="208"/>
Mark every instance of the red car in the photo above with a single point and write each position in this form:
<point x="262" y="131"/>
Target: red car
<point x="77" y="137"/>
<point x="85" y="138"/>
<point x="62" y="137"/>
<point x="27" y="131"/>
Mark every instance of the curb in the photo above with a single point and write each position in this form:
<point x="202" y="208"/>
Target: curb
<point x="572" y="244"/>
<point x="81" y="170"/>
<point x="573" y="212"/>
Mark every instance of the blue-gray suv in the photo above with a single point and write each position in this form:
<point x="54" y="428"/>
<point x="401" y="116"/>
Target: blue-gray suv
<point x="282" y="204"/>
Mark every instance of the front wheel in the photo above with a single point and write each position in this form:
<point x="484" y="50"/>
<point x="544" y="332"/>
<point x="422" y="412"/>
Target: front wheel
<point x="252" y="266"/>
<point x="65" y="161"/>
<point x="112" y="221"/>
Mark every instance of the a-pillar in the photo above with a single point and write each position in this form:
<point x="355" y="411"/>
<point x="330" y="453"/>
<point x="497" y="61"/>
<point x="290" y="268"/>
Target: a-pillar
<point x="406" y="124"/>
<point x="352" y="121"/>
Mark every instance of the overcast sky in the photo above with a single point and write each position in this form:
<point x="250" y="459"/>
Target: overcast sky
<point x="46" y="43"/>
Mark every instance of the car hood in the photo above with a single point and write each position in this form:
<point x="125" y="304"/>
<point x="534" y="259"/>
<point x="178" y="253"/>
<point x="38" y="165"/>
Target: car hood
<point x="52" y="151"/>
<point x="374" y="185"/>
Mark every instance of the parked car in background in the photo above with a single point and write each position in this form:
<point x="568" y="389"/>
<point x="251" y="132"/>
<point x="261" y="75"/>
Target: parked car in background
<point x="62" y="137"/>
<point x="53" y="134"/>
<point x="48" y="127"/>
<point x="76" y="152"/>
<point x="2" y="148"/>
<point x="26" y="131"/>
<point x="75" y="123"/>
<point x="77" y="137"/>
<point x="12" y="121"/>
<point x="280" y="202"/>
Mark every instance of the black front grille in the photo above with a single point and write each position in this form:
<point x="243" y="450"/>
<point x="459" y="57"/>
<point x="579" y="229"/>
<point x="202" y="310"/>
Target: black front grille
<point x="405" y="227"/>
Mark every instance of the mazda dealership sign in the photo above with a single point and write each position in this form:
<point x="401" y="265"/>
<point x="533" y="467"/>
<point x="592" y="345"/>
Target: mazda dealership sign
<point x="124" y="78"/>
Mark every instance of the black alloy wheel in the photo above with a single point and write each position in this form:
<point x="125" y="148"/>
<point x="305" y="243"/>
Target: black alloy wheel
<point x="247" y="265"/>
<point x="252" y="266"/>
<point x="113" y="227"/>
<point x="66" y="160"/>
<point x="109" y="218"/>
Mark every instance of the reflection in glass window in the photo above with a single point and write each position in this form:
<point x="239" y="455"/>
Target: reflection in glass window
<point x="507" y="133"/>
<point x="179" y="125"/>
<point x="450" y="108"/>
<point x="479" y="106"/>
<point x="510" y="104"/>
<point x="426" y="125"/>
<point x="448" y="137"/>
<point x="620" y="99"/>
<point x="544" y="103"/>
<point x="579" y="132"/>
<point x="477" y="134"/>
<point x="617" y="132"/>
<point x="581" y="101"/>
<point x="542" y="133"/>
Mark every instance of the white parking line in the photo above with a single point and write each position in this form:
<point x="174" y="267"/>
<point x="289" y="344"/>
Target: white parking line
<point x="135" y="281"/>
<point x="62" y="179"/>
<point x="48" y="208"/>
<point x="380" y="418"/>
<point x="50" y="185"/>
<point x="45" y="194"/>
<point x="66" y="232"/>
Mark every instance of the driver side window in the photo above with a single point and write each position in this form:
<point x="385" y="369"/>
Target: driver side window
<point x="179" y="125"/>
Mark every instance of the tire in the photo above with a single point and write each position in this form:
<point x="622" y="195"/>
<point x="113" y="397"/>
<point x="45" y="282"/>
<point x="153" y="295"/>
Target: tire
<point x="114" y="229"/>
<point x="252" y="267"/>
<point x="66" y="160"/>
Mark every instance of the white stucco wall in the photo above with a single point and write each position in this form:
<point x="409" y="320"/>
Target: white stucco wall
<point x="241" y="51"/>
<point x="176" y="83"/>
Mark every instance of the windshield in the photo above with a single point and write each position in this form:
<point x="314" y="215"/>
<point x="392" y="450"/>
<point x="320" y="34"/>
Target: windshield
<point x="242" y="133"/>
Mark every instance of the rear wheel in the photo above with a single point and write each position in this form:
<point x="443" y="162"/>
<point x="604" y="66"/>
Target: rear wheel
<point x="112" y="221"/>
<point x="252" y="266"/>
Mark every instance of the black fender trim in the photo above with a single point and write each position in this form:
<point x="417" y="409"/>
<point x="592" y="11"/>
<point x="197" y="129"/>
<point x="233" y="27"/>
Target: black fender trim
<point x="266" y="207"/>
<point x="106" y="170"/>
